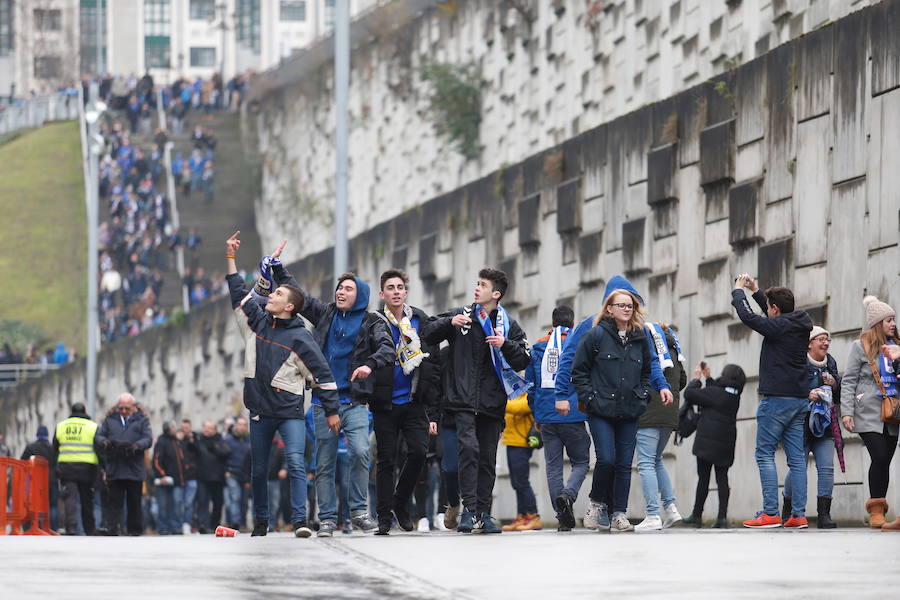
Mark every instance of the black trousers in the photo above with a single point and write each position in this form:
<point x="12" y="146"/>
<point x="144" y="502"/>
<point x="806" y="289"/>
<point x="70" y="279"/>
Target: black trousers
<point x="478" y="436"/>
<point x="407" y="420"/>
<point x="129" y="492"/>
<point x="881" y="447"/>
<point x="703" y="473"/>
<point x="74" y="492"/>
<point x="210" y="492"/>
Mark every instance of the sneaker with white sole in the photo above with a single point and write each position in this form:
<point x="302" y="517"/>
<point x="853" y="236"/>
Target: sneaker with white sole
<point x="423" y="526"/>
<point x="592" y="516"/>
<point x="326" y="528"/>
<point x="650" y="523"/>
<point x="186" y="529"/>
<point x="670" y="515"/>
<point x="361" y="520"/>
<point x="439" y="522"/>
<point x="301" y="530"/>
<point x="620" y="523"/>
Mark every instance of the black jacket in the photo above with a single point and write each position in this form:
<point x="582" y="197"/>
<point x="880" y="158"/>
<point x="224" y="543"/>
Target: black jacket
<point x="717" y="430"/>
<point x="190" y="455"/>
<point x="611" y="377"/>
<point x="168" y="459"/>
<point x="281" y="359"/>
<point x="373" y="346"/>
<point x="426" y="378"/>
<point x="44" y="449"/>
<point x="213" y="453"/>
<point x="471" y="383"/>
<point x="124" y="445"/>
<point x="782" y="361"/>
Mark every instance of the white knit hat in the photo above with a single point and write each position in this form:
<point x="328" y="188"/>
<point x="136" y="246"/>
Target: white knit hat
<point x="817" y="331"/>
<point x="876" y="311"/>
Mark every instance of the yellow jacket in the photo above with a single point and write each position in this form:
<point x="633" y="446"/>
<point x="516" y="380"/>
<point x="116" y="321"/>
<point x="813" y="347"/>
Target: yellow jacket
<point x="518" y="422"/>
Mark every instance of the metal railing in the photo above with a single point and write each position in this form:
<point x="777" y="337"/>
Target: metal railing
<point x="34" y="112"/>
<point x="12" y="375"/>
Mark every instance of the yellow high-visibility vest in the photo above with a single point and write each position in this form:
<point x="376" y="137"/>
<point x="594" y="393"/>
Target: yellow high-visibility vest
<point x="76" y="440"/>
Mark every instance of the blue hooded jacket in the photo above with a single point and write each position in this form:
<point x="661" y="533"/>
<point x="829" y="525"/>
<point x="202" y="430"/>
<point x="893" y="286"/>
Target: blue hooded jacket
<point x="341" y="338"/>
<point x="564" y="388"/>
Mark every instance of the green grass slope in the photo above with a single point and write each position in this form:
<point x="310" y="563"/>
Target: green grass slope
<point x="43" y="240"/>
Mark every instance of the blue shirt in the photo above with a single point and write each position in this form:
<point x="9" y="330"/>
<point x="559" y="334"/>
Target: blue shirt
<point x="402" y="381"/>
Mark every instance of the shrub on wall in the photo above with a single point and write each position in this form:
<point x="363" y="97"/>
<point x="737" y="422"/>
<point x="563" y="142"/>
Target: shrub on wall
<point x="456" y="104"/>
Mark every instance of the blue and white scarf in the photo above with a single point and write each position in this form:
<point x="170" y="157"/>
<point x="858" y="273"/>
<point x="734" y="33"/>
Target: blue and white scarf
<point x="550" y="361"/>
<point x="264" y="285"/>
<point x="888" y="376"/>
<point x="661" y="348"/>
<point x="513" y="384"/>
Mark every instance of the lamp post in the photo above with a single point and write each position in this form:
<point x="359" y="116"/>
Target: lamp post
<point x="341" y="91"/>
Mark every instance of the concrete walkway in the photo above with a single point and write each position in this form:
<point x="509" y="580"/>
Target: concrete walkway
<point x="856" y="563"/>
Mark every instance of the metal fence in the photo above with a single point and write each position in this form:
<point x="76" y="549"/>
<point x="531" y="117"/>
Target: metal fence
<point x="12" y="375"/>
<point x="36" y="111"/>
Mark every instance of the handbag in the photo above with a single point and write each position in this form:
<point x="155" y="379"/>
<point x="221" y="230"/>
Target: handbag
<point x="688" y="418"/>
<point x="534" y="438"/>
<point x="890" y="405"/>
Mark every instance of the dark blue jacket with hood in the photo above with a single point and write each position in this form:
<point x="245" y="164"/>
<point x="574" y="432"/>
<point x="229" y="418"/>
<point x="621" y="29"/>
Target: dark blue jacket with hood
<point x="348" y="339"/>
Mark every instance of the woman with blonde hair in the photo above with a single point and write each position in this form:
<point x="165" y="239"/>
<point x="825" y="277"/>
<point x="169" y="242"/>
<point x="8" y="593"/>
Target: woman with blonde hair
<point x="870" y="376"/>
<point x="611" y="375"/>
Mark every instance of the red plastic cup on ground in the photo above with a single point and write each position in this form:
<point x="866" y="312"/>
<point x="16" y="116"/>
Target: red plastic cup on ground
<point x="222" y="531"/>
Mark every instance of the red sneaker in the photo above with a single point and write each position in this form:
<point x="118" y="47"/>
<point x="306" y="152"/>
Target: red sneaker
<point x="763" y="521"/>
<point x="797" y="523"/>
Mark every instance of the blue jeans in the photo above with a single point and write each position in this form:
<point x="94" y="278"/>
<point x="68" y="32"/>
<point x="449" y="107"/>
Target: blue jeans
<point x="293" y="432"/>
<point x="780" y="419"/>
<point x="614" y="441"/>
<point x="355" y="425"/>
<point x="577" y="443"/>
<point x="823" y="452"/>
<point x="235" y="501"/>
<point x="274" y="488"/>
<point x="168" y="502"/>
<point x="651" y="441"/>
<point x="518" y="460"/>
<point x="188" y="499"/>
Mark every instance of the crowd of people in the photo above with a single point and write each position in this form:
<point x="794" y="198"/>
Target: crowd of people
<point x="407" y="412"/>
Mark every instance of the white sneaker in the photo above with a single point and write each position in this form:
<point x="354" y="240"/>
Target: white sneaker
<point x="439" y="522"/>
<point x="670" y="516"/>
<point x="186" y="528"/>
<point x="650" y="523"/>
<point x="592" y="516"/>
<point x="620" y="523"/>
<point x="423" y="526"/>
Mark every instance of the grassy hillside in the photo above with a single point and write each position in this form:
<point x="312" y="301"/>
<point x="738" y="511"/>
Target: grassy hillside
<point x="43" y="242"/>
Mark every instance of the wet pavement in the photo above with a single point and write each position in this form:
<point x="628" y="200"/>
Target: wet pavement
<point x="676" y="563"/>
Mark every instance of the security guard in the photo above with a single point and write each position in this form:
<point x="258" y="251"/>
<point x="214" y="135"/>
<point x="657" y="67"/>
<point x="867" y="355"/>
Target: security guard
<point x="76" y="467"/>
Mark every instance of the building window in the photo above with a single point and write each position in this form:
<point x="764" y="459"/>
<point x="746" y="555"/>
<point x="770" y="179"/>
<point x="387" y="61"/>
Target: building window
<point x="47" y="67"/>
<point x="329" y="14"/>
<point x="157" y="18"/>
<point x="203" y="10"/>
<point x="157" y="51"/>
<point x="88" y="32"/>
<point x="7" y="32"/>
<point x="293" y="10"/>
<point x="247" y="24"/>
<point x="47" y="20"/>
<point x="203" y="57"/>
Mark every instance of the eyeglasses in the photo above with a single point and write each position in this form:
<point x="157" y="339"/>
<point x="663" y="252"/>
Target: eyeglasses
<point x="623" y="306"/>
<point x="121" y="408"/>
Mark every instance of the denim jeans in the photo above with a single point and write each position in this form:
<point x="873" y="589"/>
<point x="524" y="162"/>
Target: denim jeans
<point x="577" y="443"/>
<point x="518" y="460"/>
<point x="823" y="453"/>
<point x="780" y="419"/>
<point x="293" y="432"/>
<point x="450" y="464"/>
<point x="235" y="508"/>
<point x="274" y="488"/>
<point x="355" y="425"/>
<point x="651" y="441"/>
<point x="614" y="441"/>
<point x="188" y="500"/>
<point x="168" y="501"/>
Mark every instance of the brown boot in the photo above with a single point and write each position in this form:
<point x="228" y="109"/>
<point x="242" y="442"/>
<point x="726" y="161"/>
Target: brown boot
<point x="530" y="522"/>
<point x="515" y="523"/>
<point x="892" y="526"/>
<point x="876" y="508"/>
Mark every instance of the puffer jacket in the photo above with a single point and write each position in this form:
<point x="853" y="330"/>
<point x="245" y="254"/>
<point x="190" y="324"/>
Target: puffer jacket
<point x="717" y="429"/>
<point x="518" y="422"/>
<point x="471" y="383"/>
<point x="611" y="377"/>
<point x="124" y="445"/>
<point x="373" y="346"/>
<point x="281" y="360"/>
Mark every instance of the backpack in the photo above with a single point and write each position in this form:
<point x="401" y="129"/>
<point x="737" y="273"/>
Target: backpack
<point x="688" y="417"/>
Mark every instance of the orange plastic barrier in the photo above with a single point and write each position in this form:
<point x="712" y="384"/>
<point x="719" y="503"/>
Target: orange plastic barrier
<point x="29" y="501"/>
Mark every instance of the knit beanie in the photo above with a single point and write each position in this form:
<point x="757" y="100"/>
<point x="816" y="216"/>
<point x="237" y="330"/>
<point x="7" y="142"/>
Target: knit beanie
<point x="876" y="311"/>
<point x="817" y="331"/>
<point x="42" y="432"/>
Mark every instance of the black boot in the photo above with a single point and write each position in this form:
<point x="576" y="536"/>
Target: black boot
<point x="786" y="509"/>
<point x="823" y="520"/>
<point x="692" y="520"/>
<point x="260" y="528"/>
